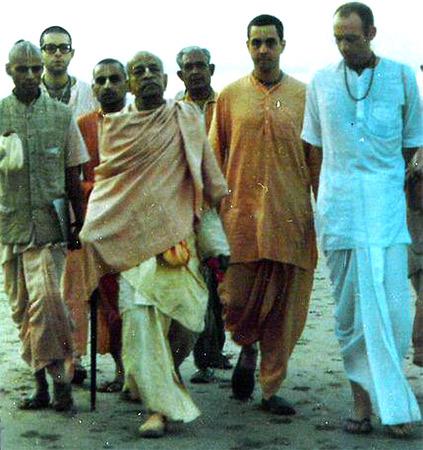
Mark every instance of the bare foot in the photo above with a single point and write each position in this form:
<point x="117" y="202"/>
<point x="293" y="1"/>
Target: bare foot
<point x="154" y="426"/>
<point x="111" y="386"/>
<point x="353" y="426"/>
<point x="362" y="408"/>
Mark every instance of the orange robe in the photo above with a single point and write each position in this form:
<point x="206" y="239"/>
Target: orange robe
<point x="156" y="172"/>
<point x="268" y="218"/>
<point x="109" y="339"/>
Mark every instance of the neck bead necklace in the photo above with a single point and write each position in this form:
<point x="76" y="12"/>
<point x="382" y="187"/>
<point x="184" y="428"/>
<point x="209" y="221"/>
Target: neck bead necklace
<point x="372" y="64"/>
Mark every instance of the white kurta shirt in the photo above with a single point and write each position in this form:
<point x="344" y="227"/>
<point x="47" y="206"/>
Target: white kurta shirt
<point x="82" y="100"/>
<point x="361" y="199"/>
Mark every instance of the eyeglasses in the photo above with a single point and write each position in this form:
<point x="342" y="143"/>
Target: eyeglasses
<point x="101" y="80"/>
<point x="52" y="48"/>
<point x="26" y="69"/>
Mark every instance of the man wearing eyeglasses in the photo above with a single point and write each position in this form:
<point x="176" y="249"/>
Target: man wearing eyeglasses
<point x="57" y="53"/>
<point x="41" y="152"/>
<point x="109" y="88"/>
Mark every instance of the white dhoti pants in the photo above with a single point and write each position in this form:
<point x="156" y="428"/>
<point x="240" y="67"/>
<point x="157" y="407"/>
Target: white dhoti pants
<point x="374" y="325"/>
<point x="149" y="364"/>
<point x="163" y="311"/>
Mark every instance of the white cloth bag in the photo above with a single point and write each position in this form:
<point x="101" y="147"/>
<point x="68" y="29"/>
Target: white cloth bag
<point x="11" y="153"/>
<point x="211" y="237"/>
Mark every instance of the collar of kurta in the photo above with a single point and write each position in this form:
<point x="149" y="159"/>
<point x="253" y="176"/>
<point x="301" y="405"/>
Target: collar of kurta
<point x="211" y="98"/>
<point x="258" y="84"/>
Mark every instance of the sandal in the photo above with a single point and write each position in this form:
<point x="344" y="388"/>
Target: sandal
<point x="111" y="386"/>
<point x="354" y="426"/>
<point x="79" y="375"/>
<point x="418" y="360"/>
<point x="277" y="405"/>
<point x="127" y="396"/>
<point x="203" y="376"/>
<point x="154" y="427"/>
<point x="63" y="400"/>
<point x="399" y="431"/>
<point x="37" y="401"/>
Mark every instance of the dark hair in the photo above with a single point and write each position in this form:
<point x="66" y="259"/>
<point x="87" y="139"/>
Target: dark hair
<point x="55" y="29"/>
<point x="263" y="20"/>
<point x="362" y="11"/>
<point x="112" y="61"/>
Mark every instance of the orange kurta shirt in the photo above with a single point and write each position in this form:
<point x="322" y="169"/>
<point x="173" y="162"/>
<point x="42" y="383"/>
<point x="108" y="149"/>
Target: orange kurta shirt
<point x="88" y="125"/>
<point x="255" y="133"/>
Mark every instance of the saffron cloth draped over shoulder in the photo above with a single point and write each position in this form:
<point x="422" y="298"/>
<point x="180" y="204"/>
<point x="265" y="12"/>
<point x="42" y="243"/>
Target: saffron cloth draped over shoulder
<point x="156" y="171"/>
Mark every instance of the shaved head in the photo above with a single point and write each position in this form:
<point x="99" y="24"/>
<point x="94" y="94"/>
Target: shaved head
<point x="25" y="67"/>
<point x="141" y="56"/>
<point x="23" y="49"/>
<point x="146" y="80"/>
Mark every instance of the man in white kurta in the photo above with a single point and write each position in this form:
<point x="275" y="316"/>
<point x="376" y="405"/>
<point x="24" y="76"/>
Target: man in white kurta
<point x="57" y="54"/>
<point x="361" y="113"/>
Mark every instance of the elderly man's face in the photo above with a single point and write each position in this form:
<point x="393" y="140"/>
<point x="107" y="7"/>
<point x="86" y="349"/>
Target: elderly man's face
<point x="196" y="72"/>
<point x="25" y="70"/>
<point x="146" y="77"/>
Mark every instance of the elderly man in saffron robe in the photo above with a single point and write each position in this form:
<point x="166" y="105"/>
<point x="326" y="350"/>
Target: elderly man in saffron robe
<point x="156" y="172"/>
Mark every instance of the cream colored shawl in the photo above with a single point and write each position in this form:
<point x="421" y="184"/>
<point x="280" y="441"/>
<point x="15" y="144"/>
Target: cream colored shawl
<point x="156" y="171"/>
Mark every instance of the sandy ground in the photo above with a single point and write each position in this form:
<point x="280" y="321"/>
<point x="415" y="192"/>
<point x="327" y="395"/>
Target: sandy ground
<point x="316" y="385"/>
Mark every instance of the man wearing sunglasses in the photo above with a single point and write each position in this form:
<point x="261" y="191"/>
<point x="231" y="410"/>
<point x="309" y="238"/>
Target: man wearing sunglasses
<point x="57" y="53"/>
<point x="47" y="151"/>
<point x="109" y="88"/>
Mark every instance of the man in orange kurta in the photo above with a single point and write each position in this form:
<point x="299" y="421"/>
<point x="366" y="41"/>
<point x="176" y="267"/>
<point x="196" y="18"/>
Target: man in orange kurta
<point x="267" y="216"/>
<point x="109" y="88"/>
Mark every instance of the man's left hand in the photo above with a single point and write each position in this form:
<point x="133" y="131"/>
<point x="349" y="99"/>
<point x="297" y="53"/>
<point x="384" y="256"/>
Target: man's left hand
<point x="415" y="168"/>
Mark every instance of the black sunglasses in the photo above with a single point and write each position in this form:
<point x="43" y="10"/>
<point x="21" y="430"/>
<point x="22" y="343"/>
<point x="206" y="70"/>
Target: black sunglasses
<point x="52" y="48"/>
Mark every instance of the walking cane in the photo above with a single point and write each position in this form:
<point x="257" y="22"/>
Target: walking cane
<point x="93" y="347"/>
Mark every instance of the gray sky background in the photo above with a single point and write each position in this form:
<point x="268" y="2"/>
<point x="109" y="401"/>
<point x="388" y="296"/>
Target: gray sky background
<point x="118" y="29"/>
